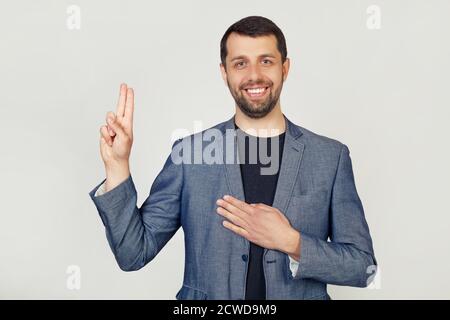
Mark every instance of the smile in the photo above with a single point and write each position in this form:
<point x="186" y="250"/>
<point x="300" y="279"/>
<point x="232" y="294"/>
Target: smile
<point x="256" y="92"/>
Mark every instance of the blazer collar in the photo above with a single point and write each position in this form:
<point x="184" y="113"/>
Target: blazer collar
<point x="291" y="129"/>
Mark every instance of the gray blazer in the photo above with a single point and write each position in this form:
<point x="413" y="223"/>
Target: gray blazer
<point x="316" y="191"/>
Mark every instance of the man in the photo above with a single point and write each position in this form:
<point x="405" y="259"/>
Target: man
<point x="249" y="233"/>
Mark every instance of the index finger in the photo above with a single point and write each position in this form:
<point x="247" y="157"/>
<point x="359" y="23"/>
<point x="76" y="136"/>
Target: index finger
<point x="122" y="100"/>
<point x="244" y="206"/>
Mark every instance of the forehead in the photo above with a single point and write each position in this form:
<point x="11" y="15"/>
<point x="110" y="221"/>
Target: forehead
<point x="242" y="45"/>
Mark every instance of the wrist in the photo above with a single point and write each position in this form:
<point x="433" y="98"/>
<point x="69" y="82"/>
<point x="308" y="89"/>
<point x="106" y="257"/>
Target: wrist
<point x="292" y="244"/>
<point x="116" y="174"/>
<point x="113" y="167"/>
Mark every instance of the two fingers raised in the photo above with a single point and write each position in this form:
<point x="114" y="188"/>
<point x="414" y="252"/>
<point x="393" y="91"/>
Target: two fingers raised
<point x="123" y="118"/>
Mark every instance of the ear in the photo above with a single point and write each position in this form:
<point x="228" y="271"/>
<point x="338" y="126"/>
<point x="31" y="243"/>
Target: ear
<point x="286" y="65"/>
<point x="223" y="71"/>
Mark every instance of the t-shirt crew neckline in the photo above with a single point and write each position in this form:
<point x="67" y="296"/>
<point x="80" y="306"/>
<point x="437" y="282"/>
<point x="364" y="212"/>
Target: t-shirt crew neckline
<point x="281" y="135"/>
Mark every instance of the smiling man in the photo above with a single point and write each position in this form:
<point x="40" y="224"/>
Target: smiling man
<point x="249" y="233"/>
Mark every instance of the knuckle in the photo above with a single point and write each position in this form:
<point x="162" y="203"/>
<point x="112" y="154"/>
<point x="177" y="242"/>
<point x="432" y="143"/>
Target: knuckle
<point x="110" y="114"/>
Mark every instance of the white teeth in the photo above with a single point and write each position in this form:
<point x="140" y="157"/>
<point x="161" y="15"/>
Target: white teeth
<point x="255" y="91"/>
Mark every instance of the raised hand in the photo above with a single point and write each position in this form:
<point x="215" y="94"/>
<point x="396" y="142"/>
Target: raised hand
<point x="116" y="138"/>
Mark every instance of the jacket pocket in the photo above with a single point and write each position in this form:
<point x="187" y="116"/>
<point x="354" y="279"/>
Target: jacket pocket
<point x="314" y="197"/>
<point x="309" y="212"/>
<point x="189" y="293"/>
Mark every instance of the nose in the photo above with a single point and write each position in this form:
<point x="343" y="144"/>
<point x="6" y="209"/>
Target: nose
<point x="254" y="73"/>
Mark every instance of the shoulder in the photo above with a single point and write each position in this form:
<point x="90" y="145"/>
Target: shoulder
<point x="319" y="142"/>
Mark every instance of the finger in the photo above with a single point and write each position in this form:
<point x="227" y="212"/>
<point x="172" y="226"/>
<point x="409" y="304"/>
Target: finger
<point x="122" y="100"/>
<point x="111" y="131"/>
<point x="103" y="144"/>
<point x="233" y="218"/>
<point x="236" y="229"/>
<point x="231" y="208"/>
<point x="104" y="147"/>
<point x="239" y="204"/>
<point x="105" y="135"/>
<point x="116" y="126"/>
<point x="129" y="107"/>
<point x="262" y="206"/>
<point x="111" y="115"/>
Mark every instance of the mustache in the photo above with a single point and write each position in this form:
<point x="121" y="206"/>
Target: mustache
<point x="259" y="83"/>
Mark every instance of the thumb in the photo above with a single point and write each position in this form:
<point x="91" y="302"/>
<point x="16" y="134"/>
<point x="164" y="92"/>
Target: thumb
<point x="112" y="121"/>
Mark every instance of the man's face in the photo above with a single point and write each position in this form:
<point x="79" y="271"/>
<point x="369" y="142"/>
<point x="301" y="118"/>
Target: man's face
<point x="254" y="73"/>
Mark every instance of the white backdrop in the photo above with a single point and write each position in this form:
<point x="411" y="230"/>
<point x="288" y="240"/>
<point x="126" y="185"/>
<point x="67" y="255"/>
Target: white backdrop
<point x="373" y="74"/>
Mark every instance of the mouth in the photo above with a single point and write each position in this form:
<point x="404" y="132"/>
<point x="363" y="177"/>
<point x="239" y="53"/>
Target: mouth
<point x="257" y="92"/>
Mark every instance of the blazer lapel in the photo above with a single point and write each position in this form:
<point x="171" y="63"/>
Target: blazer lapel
<point x="232" y="165"/>
<point x="290" y="164"/>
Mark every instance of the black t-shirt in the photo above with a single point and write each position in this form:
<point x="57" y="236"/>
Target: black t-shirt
<point x="258" y="188"/>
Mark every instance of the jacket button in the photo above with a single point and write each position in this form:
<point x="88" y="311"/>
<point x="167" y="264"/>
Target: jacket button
<point x="244" y="257"/>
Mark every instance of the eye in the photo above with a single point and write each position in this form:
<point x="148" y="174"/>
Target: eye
<point x="266" y="61"/>
<point x="239" y="64"/>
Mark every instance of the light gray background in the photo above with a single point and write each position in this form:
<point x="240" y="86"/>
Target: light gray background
<point x="382" y="92"/>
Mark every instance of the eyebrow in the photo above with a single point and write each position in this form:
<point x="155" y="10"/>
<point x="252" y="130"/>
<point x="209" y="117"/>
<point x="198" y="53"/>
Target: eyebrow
<point x="260" y="56"/>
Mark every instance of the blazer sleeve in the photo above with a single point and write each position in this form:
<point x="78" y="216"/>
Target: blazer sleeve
<point x="348" y="258"/>
<point x="136" y="235"/>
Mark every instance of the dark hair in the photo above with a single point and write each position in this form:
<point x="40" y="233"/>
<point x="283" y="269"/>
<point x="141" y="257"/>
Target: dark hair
<point x="254" y="26"/>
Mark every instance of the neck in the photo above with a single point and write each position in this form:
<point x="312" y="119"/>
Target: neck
<point x="270" y="125"/>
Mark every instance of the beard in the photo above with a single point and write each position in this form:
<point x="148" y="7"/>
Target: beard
<point x="260" y="109"/>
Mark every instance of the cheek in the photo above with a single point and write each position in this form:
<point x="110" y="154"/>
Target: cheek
<point x="239" y="81"/>
<point x="234" y="81"/>
<point x="276" y="77"/>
